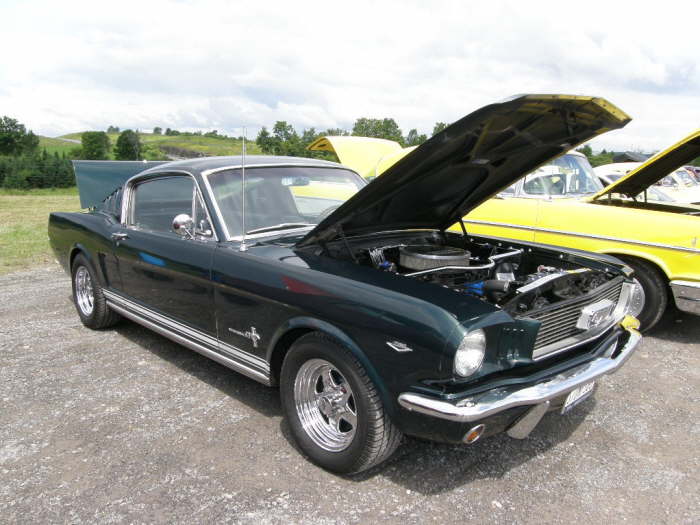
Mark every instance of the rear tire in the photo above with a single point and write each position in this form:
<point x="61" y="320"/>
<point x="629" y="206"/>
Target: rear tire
<point x="334" y="410"/>
<point x="655" y="288"/>
<point x="88" y="298"/>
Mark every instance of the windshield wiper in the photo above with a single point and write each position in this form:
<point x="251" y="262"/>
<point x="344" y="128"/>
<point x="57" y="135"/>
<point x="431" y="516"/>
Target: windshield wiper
<point x="283" y="226"/>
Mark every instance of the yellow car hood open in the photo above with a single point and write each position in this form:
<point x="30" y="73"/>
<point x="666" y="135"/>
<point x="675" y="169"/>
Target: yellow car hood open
<point x="656" y="168"/>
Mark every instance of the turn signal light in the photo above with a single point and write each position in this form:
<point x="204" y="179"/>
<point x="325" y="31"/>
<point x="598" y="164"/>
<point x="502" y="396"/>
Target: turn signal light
<point x="474" y="434"/>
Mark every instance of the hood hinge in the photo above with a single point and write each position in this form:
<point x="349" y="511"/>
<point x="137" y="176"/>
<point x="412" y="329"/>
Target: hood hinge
<point x="345" y="241"/>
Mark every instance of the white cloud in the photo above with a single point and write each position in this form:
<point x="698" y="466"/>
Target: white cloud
<point x="223" y="65"/>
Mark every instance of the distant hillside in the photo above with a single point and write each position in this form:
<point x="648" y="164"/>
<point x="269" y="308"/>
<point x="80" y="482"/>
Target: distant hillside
<point x="164" y="146"/>
<point x="56" y="145"/>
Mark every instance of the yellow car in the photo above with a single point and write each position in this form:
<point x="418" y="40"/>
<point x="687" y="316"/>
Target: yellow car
<point x="563" y="203"/>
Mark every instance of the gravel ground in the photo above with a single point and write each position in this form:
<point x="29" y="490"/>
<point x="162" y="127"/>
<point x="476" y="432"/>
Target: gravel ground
<point x="125" y="426"/>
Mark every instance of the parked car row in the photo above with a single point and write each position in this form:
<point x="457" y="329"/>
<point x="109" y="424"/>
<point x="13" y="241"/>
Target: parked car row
<point x="374" y="315"/>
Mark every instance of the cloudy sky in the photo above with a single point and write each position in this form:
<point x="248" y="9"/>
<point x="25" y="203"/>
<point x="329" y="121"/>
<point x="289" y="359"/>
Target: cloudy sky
<point x="70" y="66"/>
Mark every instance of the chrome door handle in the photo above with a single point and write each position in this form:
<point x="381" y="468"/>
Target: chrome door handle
<point x="119" y="236"/>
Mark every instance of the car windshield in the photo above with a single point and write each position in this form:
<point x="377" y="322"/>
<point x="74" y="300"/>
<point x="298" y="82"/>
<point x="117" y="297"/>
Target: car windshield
<point x="568" y="175"/>
<point x="685" y="178"/>
<point x="279" y="198"/>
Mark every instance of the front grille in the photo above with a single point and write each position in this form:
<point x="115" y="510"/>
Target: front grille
<point x="559" y="322"/>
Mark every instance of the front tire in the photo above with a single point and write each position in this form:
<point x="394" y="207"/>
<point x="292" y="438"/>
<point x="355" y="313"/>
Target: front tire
<point x="88" y="298"/>
<point x="334" y="410"/>
<point x="654" y="292"/>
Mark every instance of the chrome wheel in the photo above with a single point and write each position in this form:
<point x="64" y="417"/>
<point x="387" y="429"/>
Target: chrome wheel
<point x="325" y="405"/>
<point x="637" y="300"/>
<point x="84" y="294"/>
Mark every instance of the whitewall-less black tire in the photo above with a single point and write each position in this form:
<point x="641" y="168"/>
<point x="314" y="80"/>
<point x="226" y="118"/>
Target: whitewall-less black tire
<point x="334" y="410"/>
<point x="88" y="298"/>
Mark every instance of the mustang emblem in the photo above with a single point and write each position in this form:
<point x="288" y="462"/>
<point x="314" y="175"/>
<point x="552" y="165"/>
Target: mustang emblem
<point x="399" y="346"/>
<point x="251" y="334"/>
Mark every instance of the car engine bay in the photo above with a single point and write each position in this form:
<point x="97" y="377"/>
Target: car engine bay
<point x="516" y="279"/>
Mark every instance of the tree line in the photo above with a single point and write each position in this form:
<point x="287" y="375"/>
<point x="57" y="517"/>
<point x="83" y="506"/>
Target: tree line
<point x="283" y="139"/>
<point x="23" y="166"/>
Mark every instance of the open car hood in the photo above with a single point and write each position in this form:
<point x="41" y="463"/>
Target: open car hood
<point x="359" y="153"/>
<point x="468" y="162"/>
<point x="656" y="168"/>
<point x="368" y="156"/>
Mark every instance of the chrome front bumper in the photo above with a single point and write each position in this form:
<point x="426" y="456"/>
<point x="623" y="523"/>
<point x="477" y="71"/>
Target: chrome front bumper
<point x="686" y="295"/>
<point x="497" y="400"/>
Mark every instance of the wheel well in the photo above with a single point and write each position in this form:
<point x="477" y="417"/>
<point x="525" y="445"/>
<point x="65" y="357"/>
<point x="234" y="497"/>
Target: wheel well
<point x="73" y="254"/>
<point x="281" y="348"/>
<point x="649" y="262"/>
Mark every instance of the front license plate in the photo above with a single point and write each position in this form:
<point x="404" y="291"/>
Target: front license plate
<point x="577" y="395"/>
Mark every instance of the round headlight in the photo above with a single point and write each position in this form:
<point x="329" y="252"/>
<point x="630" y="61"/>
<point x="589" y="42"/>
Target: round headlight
<point x="470" y="353"/>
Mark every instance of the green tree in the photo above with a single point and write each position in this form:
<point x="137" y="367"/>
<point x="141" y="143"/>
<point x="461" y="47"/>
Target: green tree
<point x="414" y="139"/>
<point x="438" y="127"/>
<point x="113" y="129"/>
<point x="586" y="150"/>
<point x="157" y="130"/>
<point x="335" y="132"/>
<point x="95" y="145"/>
<point x="128" y="146"/>
<point x="15" y="139"/>
<point x="264" y="140"/>
<point x="284" y="140"/>
<point x="385" y="128"/>
<point x="601" y="158"/>
<point x="18" y="179"/>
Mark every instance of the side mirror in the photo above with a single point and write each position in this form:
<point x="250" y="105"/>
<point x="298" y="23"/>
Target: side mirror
<point x="204" y="228"/>
<point x="183" y="225"/>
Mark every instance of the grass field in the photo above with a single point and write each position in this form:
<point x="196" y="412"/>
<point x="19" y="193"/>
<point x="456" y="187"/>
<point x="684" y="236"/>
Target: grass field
<point x="209" y="146"/>
<point x="23" y="219"/>
<point x="56" y="145"/>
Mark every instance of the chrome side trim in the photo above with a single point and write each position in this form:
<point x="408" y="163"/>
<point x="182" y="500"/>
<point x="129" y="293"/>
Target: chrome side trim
<point x="246" y="363"/>
<point x="687" y="295"/>
<point x="221" y="359"/>
<point x="497" y="400"/>
<point x="585" y="235"/>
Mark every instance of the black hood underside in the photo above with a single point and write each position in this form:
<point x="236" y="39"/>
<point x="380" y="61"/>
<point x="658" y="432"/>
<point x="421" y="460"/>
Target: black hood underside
<point x="468" y="162"/>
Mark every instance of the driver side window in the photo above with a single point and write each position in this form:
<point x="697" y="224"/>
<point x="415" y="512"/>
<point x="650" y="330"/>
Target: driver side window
<point x="156" y="202"/>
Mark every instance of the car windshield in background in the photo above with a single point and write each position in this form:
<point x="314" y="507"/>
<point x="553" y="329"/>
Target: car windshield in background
<point x="280" y="198"/>
<point x="685" y="178"/>
<point x="568" y="175"/>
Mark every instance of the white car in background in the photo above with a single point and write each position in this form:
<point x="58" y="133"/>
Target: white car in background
<point x="653" y="192"/>
<point x="677" y="186"/>
<point x="681" y="186"/>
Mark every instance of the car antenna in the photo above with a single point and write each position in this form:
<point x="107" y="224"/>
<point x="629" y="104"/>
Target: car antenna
<point x="243" y="246"/>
